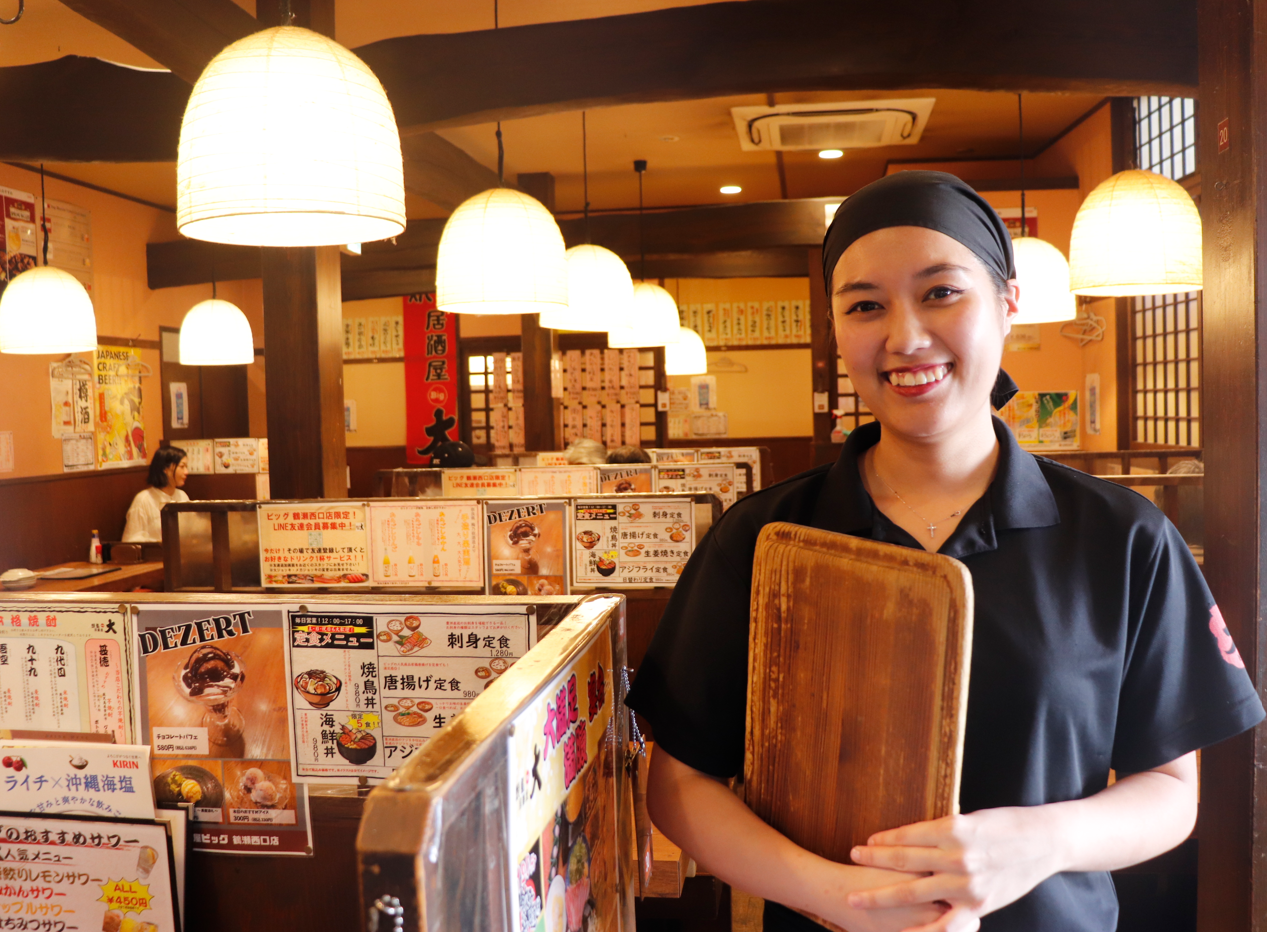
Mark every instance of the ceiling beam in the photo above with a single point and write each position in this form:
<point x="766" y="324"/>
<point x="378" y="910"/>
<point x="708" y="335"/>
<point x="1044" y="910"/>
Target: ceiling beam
<point x="441" y="172"/>
<point x="181" y="34"/>
<point x="1126" y="47"/>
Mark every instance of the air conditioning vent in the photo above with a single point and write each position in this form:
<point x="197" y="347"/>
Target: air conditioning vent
<point x="855" y="124"/>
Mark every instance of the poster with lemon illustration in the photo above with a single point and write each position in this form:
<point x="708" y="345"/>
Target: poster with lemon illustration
<point x="120" y="427"/>
<point x="114" y="875"/>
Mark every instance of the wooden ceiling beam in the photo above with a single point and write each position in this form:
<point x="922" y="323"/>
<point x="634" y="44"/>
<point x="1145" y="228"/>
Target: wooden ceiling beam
<point x="1127" y="48"/>
<point x="183" y="35"/>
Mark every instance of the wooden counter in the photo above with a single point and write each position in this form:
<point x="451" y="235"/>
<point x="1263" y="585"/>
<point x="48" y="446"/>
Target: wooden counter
<point x="121" y="579"/>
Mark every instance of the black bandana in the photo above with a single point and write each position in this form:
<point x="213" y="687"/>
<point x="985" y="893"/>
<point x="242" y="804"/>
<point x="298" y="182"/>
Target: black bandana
<point x="934" y="200"/>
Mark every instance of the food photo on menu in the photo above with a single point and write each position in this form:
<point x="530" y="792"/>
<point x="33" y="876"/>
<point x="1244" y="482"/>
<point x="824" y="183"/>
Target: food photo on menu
<point x="527" y="554"/>
<point x="216" y="714"/>
<point x="623" y="479"/>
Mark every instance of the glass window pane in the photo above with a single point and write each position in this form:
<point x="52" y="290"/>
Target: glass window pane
<point x="477" y="400"/>
<point x="476" y="363"/>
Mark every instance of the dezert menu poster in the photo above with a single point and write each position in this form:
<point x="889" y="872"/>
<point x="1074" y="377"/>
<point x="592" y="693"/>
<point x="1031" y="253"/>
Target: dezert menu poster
<point x="371" y="687"/>
<point x="625" y="479"/>
<point x="632" y="544"/>
<point x="718" y="478"/>
<point x="314" y="544"/>
<point x="557" y="480"/>
<point x="65" y="670"/>
<point x="562" y="799"/>
<point x="419" y="543"/>
<point x="212" y="693"/>
<point x="84" y="874"/>
<point x="527" y="547"/>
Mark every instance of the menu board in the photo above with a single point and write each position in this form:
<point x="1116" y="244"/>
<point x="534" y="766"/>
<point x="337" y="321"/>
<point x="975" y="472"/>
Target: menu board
<point x="66" y="874"/>
<point x="479" y="483"/>
<point x="200" y="455"/>
<point x="237" y="455"/>
<point x="421" y="543"/>
<point x="631" y="544"/>
<point x="557" y="480"/>
<point x="311" y="544"/>
<point x="749" y="455"/>
<point x="77" y="778"/>
<point x="527" y="547"/>
<point x="65" y="669"/>
<point x="212" y="692"/>
<point x="562" y="800"/>
<point x="371" y="687"/>
<point x="625" y="479"/>
<point x="555" y="458"/>
<point x="718" y="478"/>
<point x="673" y="455"/>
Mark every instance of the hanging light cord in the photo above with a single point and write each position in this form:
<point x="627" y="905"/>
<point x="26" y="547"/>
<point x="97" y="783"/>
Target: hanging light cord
<point x="43" y="213"/>
<point x="288" y="16"/>
<point x="640" y="166"/>
<point x="501" y="149"/>
<point x="1020" y="129"/>
<point x="585" y="175"/>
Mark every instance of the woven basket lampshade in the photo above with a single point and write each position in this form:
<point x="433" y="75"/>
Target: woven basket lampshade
<point x="216" y="333"/>
<point x="46" y="310"/>
<point x="652" y="320"/>
<point x="600" y="292"/>
<point x="1137" y="233"/>
<point x="687" y="356"/>
<point x="289" y="140"/>
<point x="501" y="252"/>
<point x="1043" y="276"/>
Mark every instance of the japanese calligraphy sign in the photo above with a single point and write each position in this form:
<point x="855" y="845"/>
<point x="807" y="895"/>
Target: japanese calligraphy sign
<point x="74" y="778"/>
<point x="59" y="875"/>
<point x="479" y="483"/>
<point x="563" y="801"/>
<point x="70" y="386"/>
<point x="212" y="693"/>
<point x="65" y="670"/>
<point x="718" y="478"/>
<point x="557" y="480"/>
<point x="527" y="547"/>
<point x="120" y="429"/>
<point x="431" y="377"/>
<point x="371" y="687"/>
<point x="421" y="543"/>
<point x="314" y="544"/>
<point x="625" y="479"/>
<point x="641" y="543"/>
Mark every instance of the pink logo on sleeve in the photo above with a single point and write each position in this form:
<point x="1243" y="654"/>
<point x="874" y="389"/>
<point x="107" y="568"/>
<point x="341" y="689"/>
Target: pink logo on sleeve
<point x="1227" y="650"/>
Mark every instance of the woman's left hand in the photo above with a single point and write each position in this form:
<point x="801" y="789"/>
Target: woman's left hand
<point x="976" y="863"/>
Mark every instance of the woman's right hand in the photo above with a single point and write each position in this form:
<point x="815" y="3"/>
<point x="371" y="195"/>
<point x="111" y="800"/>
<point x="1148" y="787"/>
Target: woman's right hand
<point x="898" y="919"/>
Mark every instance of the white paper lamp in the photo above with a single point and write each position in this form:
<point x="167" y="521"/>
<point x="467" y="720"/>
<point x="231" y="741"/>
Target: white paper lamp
<point x="1043" y="276"/>
<point x="600" y="291"/>
<point x="652" y="320"/>
<point x="289" y="140"/>
<point x="46" y="310"/>
<point x="687" y="356"/>
<point x="1137" y="233"/>
<point x="216" y="333"/>
<point x="501" y="252"/>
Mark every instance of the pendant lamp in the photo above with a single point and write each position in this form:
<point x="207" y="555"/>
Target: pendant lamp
<point x="46" y="310"/>
<point x="1137" y="233"/>
<point x="216" y="333"/>
<point x="653" y="321"/>
<point x="687" y="356"/>
<point x="1042" y="274"/>
<point x="289" y="140"/>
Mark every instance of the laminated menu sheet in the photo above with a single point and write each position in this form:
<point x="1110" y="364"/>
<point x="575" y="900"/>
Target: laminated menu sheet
<point x="65" y="669"/>
<point x="718" y="478"/>
<point x="527" y="547"/>
<point x="557" y="480"/>
<point x="419" y="543"/>
<point x="313" y="544"/>
<point x="634" y="543"/>
<point x="373" y="683"/>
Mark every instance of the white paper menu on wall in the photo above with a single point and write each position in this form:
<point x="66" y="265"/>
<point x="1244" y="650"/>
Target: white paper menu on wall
<point x="237" y="455"/>
<point x="372" y="686"/>
<point x="200" y="455"/>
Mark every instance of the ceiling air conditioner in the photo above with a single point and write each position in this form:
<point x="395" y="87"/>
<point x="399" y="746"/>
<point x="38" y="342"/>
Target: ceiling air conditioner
<point x="854" y="124"/>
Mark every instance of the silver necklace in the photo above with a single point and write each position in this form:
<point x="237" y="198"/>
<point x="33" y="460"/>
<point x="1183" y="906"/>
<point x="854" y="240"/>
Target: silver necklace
<point x="932" y="528"/>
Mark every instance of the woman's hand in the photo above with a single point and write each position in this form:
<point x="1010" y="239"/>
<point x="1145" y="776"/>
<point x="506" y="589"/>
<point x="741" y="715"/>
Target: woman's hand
<point x="894" y="919"/>
<point x="976" y="863"/>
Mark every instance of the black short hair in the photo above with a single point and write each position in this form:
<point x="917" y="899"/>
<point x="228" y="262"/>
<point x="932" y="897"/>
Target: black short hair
<point x="628" y="455"/>
<point x="164" y="457"/>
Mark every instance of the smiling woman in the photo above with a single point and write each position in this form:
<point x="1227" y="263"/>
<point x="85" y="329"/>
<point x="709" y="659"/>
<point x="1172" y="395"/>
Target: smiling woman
<point x="1093" y="646"/>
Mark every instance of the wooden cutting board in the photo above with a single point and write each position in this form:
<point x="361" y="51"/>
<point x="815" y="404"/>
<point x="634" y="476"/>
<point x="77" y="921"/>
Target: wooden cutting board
<point x="857" y="686"/>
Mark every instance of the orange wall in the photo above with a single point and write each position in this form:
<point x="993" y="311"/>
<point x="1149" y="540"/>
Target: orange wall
<point x="125" y="308"/>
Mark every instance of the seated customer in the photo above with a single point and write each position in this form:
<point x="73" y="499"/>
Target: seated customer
<point x="585" y="452"/>
<point x="168" y="469"/>
<point x="628" y="455"/>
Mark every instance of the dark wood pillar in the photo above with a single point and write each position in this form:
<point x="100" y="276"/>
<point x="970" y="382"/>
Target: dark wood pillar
<point x="823" y="356"/>
<point x="1122" y="135"/>
<point x="539" y="345"/>
<point x="303" y="340"/>
<point x="1232" y="867"/>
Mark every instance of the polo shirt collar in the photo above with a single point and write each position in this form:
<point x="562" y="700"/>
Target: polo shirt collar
<point x="1019" y="497"/>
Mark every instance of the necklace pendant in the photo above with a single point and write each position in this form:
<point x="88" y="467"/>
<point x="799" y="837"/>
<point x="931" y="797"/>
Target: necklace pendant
<point x="932" y="531"/>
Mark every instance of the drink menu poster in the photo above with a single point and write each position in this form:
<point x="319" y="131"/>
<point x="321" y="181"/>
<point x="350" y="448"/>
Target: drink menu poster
<point x="527" y="547"/>
<point x="639" y="543"/>
<point x="371" y="687"/>
<point x="314" y="544"/>
<point x="718" y="478"/>
<point x="420" y="543"/>
<point x="557" y="480"/>
<point x="65" y="670"/>
<point x="212" y="693"/>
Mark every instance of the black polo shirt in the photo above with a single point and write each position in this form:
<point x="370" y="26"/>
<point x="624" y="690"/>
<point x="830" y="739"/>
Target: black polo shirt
<point x="1096" y="645"/>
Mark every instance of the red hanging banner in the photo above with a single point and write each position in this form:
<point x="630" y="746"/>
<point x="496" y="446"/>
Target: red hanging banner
<point x="431" y="377"/>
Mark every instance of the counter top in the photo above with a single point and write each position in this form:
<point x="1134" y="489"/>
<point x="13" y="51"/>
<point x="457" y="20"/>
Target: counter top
<point x="121" y="578"/>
